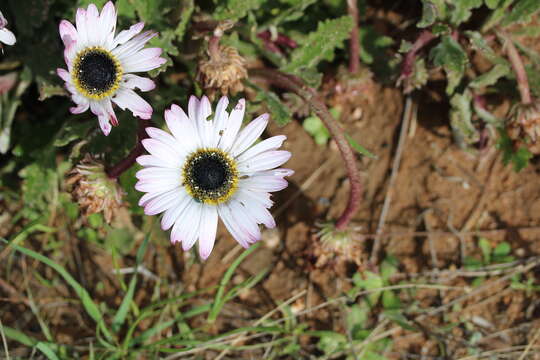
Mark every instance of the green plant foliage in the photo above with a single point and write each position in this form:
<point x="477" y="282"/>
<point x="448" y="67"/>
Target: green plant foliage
<point x="521" y="12"/>
<point x="236" y="9"/>
<point x="319" y="45"/>
<point x="450" y="55"/>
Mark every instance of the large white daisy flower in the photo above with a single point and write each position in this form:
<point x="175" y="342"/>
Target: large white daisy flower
<point x="101" y="65"/>
<point x="209" y="168"/>
<point x="6" y="36"/>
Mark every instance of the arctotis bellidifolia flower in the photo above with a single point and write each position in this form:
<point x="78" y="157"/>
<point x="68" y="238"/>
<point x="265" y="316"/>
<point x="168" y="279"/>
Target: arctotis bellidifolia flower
<point x="208" y="168"/>
<point x="101" y="65"/>
<point x="6" y="36"/>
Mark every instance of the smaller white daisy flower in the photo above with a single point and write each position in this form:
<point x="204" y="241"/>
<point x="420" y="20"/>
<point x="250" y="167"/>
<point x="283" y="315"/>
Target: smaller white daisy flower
<point x="209" y="168"/>
<point x="101" y="64"/>
<point x="6" y="36"/>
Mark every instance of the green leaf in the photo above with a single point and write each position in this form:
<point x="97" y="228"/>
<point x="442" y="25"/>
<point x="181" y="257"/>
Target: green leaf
<point x="315" y="127"/>
<point x="91" y="308"/>
<point x="359" y="148"/>
<point x="371" y="282"/>
<point x="429" y="14"/>
<point x="292" y="13"/>
<point x="280" y="113"/>
<point x="46" y="349"/>
<point x="463" y="129"/>
<point x="496" y="15"/>
<point x="220" y="300"/>
<point x="480" y="44"/>
<point x="165" y="42"/>
<point x="234" y="10"/>
<point x="492" y="4"/>
<point x="331" y="342"/>
<point x="389" y="267"/>
<point x="320" y="44"/>
<point x="461" y="11"/>
<point x="122" y="312"/>
<point x="520" y="158"/>
<point x="451" y="56"/>
<point x="390" y="300"/>
<point x="485" y="247"/>
<point x="503" y="249"/>
<point x="73" y="130"/>
<point x="491" y="77"/>
<point x="521" y="12"/>
<point x="397" y="317"/>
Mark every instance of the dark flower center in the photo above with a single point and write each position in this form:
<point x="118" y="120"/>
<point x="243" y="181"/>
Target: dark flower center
<point x="210" y="176"/>
<point x="97" y="71"/>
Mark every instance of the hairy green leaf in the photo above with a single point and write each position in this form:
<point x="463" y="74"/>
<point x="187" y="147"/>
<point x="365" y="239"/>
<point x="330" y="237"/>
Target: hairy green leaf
<point x="451" y="56"/>
<point x="320" y="44"/>
<point x="461" y="11"/>
<point x="491" y="77"/>
<point x="236" y="9"/>
<point x="521" y="12"/>
<point x="429" y="14"/>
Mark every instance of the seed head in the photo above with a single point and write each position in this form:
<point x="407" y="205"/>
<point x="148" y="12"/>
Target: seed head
<point x="93" y="190"/>
<point x="523" y="126"/>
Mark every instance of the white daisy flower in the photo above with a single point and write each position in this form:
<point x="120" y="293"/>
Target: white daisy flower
<point x="6" y="36"/>
<point x="209" y="168"/>
<point x="101" y="64"/>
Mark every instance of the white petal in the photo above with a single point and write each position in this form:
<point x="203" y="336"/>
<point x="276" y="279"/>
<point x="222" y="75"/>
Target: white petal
<point x="161" y="151"/>
<point x="7" y="37"/>
<point x="163" y="202"/>
<point x="266" y="160"/>
<point x="132" y="81"/>
<point x="233" y="125"/>
<point x="128" y="99"/>
<point x="126" y="35"/>
<point x="233" y="226"/>
<point x="64" y="74"/>
<point x="183" y="129"/>
<point x="172" y="215"/>
<point x="168" y="139"/>
<point x="92" y="25"/>
<point x="80" y="22"/>
<point x="129" y="48"/>
<point x="107" y="20"/>
<point x="144" y="60"/>
<point x="272" y="143"/>
<point x="249" y="134"/>
<point x="220" y="120"/>
<point x="155" y="185"/>
<point x="68" y="33"/>
<point x="105" y="113"/>
<point x="262" y="198"/>
<point x="207" y="230"/>
<point x="260" y="214"/>
<point x="263" y="183"/>
<point x="150" y="160"/>
<point x="205" y="125"/>
<point x="158" y="173"/>
<point x="246" y="220"/>
<point x="186" y="227"/>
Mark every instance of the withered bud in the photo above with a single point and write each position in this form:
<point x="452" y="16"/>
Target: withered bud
<point x="523" y="126"/>
<point x="93" y="190"/>
<point x="222" y="71"/>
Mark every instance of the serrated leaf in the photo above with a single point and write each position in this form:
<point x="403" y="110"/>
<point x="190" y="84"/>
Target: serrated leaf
<point x="187" y="10"/>
<point x="294" y="12"/>
<point x="461" y="11"/>
<point x="236" y="9"/>
<point x="405" y="46"/>
<point x="429" y="15"/>
<point x="520" y="158"/>
<point x="165" y="42"/>
<point x="451" y="56"/>
<point x="503" y="249"/>
<point x="463" y="130"/>
<point x="521" y="12"/>
<point x="491" y="77"/>
<point x="71" y="131"/>
<point x="492" y="4"/>
<point x="320" y="44"/>
<point x="496" y="15"/>
<point x="279" y="112"/>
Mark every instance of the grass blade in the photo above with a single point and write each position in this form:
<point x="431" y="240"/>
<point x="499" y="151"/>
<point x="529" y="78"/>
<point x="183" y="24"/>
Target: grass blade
<point x="219" y="300"/>
<point x="122" y="312"/>
<point x="91" y="308"/>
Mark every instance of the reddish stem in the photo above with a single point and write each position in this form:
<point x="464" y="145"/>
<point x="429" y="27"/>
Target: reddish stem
<point x="213" y="47"/>
<point x="519" y="69"/>
<point x="354" y="46"/>
<point x="115" y="171"/>
<point x="407" y="67"/>
<point x="310" y="95"/>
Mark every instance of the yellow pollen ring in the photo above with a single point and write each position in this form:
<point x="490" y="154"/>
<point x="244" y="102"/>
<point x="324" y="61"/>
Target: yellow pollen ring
<point x="216" y="196"/>
<point x="76" y="67"/>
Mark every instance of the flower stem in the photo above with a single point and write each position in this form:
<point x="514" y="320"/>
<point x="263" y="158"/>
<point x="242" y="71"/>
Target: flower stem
<point x="310" y="96"/>
<point x="519" y="69"/>
<point x="354" y="46"/>
<point x="115" y="171"/>
<point x="407" y="66"/>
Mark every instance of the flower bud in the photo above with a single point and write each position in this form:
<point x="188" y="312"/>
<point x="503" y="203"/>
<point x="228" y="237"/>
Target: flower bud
<point x="523" y="126"/>
<point x="93" y="190"/>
